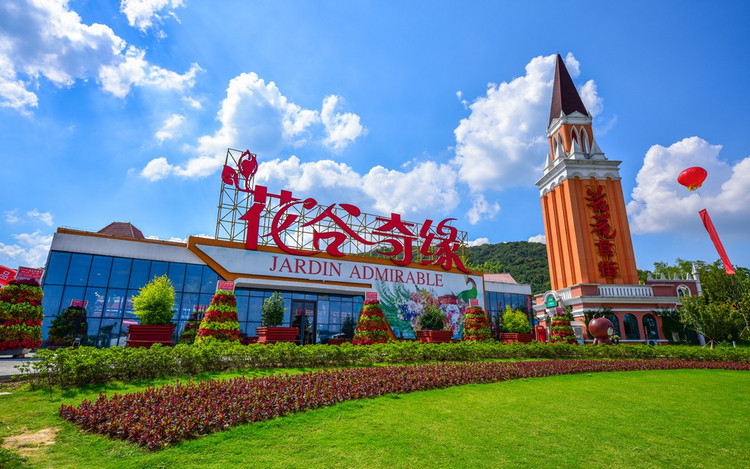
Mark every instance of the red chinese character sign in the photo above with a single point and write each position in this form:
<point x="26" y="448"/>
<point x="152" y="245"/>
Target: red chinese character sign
<point x="252" y="213"/>
<point x="601" y="229"/>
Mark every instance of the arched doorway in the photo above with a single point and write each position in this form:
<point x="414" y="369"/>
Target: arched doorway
<point x="630" y="324"/>
<point x="649" y="327"/>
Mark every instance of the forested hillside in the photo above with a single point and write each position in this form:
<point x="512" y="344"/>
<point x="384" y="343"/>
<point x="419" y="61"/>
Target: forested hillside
<point x="526" y="262"/>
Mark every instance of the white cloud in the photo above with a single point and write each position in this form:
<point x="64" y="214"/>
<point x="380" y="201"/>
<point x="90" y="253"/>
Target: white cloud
<point x="428" y="189"/>
<point x="540" y="238"/>
<point x="481" y="209"/>
<point x="171" y="128"/>
<point x="502" y="143"/>
<point x="12" y="217"/>
<point x="661" y="204"/>
<point x="145" y="14"/>
<point x="44" y="217"/>
<point x="193" y="103"/>
<point x="30" y="250"/>
<point x="256" y="113"/>
<point x="591" y="99"/>
<point x="156" y="169"/>
<point x="478" y="242"/>
<point x="341" y="129"/>
<point x="45" y="39"/>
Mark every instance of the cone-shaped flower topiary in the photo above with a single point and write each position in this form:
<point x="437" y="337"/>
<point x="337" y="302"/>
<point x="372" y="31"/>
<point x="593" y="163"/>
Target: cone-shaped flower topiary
<point x="372" y="327"/>
<point x="220" y="320"/>
<point x="561" y="331"/>
<point x="476" y="326"/>
<point x="191" y="327"/>
<point x="68" y="325"/>
<point x="21" y="315"/>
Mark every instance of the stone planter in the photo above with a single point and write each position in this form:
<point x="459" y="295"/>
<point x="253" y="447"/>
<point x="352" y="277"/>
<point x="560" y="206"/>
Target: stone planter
<point x="510" y="337"/>
<point x="145" y="336"/>
<point x="270" y="335"/>
<point x="434" y="337"/>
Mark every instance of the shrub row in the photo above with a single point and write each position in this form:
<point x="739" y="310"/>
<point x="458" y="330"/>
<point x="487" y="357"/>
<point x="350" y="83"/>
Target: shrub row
<point x="88" y="365"/>
<point x="161" y="416"/>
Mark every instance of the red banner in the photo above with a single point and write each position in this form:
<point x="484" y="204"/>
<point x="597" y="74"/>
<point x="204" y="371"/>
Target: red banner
<point x="371" y="295"/>
<point x="717" y="242"/>
<point x="6" y="275"/>
<point x="224" y="285"/>
<point x="473" y="302"/>
<point x="28" y="272"/>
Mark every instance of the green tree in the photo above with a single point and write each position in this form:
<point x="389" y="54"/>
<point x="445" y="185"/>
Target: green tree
<point x="155" y="302"/>
<point x="272" y="310"/>
<point x="526" y="262"/>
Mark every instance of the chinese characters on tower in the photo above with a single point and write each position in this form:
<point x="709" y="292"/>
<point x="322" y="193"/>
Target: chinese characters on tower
<point x="604" y="235"/>
<point x="306" y="228"/>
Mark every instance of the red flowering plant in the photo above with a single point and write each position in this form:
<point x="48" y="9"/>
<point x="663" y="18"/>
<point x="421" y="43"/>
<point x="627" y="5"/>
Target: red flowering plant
<point x="21" y="315"/>
<point x="191" y="327"/>
<point x="67" y="326"/>
<point x="561" y="330"/>
<point x="158" y="417"/>
<point x="476" y="325"/>
<point x="220" y="321"/>
<point x="372" y="327"/>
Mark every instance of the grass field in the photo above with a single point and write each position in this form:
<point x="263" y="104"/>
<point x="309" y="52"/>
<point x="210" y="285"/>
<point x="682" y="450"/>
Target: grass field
<point x="681" y="418"/>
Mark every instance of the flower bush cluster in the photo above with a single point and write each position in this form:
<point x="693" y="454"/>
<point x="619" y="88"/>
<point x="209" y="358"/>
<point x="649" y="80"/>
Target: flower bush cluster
<point x="88" y="365"/>
<point x="371" y="326"/>
<point x="21" y="315"/>
<point x="68" y="325"/>
<point x="191" y="326"/>
<point x="515" y="321"/>
<point x="561" y="330"/>
<point x="476" y="326"/>
<point x="220" y="321"/>
<point x="161" y="416"/>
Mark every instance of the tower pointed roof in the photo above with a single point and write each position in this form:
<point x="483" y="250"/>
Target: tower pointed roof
<point x="565" y="96"/>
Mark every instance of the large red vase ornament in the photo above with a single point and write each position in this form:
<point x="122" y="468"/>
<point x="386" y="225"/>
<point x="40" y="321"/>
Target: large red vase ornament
<point x="692" y="178"/>
<point x="601" y="329"/>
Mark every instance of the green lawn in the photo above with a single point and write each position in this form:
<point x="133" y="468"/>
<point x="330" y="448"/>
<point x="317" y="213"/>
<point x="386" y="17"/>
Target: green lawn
<point x="681" y="418"/>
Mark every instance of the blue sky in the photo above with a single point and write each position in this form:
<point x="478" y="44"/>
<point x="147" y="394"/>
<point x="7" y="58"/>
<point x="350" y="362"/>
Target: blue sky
<point x="123" y="112"/>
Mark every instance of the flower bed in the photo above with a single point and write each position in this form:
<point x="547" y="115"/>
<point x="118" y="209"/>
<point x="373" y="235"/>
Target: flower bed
<point x="161" y="416"/>
<point x="21" y="315"/>
<point x="89" y="365"/>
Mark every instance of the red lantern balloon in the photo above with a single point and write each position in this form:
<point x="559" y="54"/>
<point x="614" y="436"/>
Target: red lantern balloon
<point x="692" y="178"/>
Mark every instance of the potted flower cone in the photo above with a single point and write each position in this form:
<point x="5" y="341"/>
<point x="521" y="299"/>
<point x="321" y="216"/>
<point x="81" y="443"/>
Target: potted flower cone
<point x="561" y="330"/>
<point x="432" y="326"/>
<point x="476" y="326"/>
<point x="516" y="327"/>
<point x="220" y="321"/>
<point x="20" y="317"/>
<point x="372" y="327"/>
<point x="272" y="316"/>
<point x="153" y="305"/>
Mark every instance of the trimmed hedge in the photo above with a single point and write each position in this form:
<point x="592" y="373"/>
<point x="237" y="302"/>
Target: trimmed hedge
<point x="88" y="365"/>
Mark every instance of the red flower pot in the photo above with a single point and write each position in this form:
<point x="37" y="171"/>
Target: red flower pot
<point x="270" y="335"/>
<point x="510" y="337"/>
<point x="145" y="336"/>
<point x="434" y="337"/>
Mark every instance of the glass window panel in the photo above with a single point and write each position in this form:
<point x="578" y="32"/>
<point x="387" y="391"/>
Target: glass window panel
<point x="128" y="313"/>
<point x="256" y="293"/>
<point x="120" y="272"/>
<point x="109" y="333"/>
<point x="124" y="332"/>
<point x="205" y="299"/>
<point x="176" y="307"/>
<point x="298" y="296"/>
<point x="241" y="292"/>
<point x="189" y="301"/>
<point x="57" y="268"/>
<point x="51" y="299"/>
<point x="92" y="327"/>
<point x="158" y="268"/>
<point x="630" y="324"/>
<point x="322" y="312"/>
<point x="193" y="278"/>
<point x="249" y="328"/>
<point x="208" y="282"/>
<point x="649" y="327"/>
<point x="70" y="294"/>
<point x="115" y="303"/>
<point x="46" y="324"/>
<point x="254" y="309"/>
<point x="79" y="269"/>
<point x="95" y="301"/>
<point x="242" y="304"/>
<point x="311" y="296"/>
<point x="99" y="274"/>
<point x="176" y="274"/>
<point x="139" y="273"/>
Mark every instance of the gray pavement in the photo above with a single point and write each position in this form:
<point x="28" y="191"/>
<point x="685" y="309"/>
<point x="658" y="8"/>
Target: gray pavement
<point x="8" y="365"/>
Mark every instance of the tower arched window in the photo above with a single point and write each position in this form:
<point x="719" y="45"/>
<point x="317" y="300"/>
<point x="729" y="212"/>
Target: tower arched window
<point x="683" y="291"/>
<point x="649" y="327"/>
<point x="630" y="324"/>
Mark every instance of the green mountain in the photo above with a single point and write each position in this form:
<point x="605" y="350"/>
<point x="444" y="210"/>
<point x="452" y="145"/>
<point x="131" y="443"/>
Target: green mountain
<point x="526" y="262"/>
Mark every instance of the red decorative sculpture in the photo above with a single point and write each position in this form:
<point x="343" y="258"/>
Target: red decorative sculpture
<point x="601" y="329"/>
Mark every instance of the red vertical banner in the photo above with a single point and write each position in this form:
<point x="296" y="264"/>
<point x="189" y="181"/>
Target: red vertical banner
<point x="717" y="242"/>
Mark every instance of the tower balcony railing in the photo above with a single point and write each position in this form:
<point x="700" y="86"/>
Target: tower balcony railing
<point x="625" y="290"/>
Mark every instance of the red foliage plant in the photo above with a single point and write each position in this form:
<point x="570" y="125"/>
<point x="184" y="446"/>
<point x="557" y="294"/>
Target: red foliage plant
<point x="21" y="315"/>
<point x="161" y="416"/>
